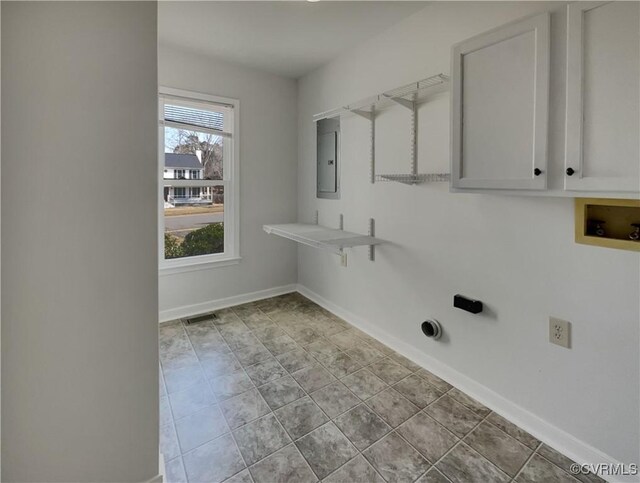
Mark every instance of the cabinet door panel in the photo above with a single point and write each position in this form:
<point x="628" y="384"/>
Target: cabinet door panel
<point x="603" y="101"/>
<point x="500" y="95"/>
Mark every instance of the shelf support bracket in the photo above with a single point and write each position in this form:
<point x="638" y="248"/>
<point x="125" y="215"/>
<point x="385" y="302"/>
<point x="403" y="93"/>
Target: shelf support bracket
<point x="414" y="138"/>
<point x="343" y="258"/>
<point x="372" y="152"/>
<point x="366" y="114"/>
<point x="316" y="218"/>
<point x="403" y="102"/>
<point x="371" y="116"/>
<point x="372" y="248"/>
<point x="341" y="223"/>
<point x="412" y="105"/>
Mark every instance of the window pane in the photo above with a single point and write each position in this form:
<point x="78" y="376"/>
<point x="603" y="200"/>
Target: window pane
<point x="193" y="221"/>
<point x="192" y="154"/>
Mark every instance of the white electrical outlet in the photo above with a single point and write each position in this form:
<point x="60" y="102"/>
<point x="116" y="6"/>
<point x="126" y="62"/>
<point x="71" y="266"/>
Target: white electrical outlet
<point x="560" y="332"/>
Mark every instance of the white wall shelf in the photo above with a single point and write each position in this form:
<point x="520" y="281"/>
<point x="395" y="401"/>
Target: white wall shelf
<point x="413" y="178"/>
<point x="317" y="236"/>
<point x="409" y="96"/>
<point x="321" y="237"/>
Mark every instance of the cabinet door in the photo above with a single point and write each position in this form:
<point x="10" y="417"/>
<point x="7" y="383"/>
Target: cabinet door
<point x="603" y="103"/>
<point x="500" y="104"/>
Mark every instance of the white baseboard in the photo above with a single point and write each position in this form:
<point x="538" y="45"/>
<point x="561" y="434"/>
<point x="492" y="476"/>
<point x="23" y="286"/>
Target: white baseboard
<point x="155" y="479"/>
<point x="162" y="469"/>
<point x="562" y="441"/>
<point x="195" y="309"/>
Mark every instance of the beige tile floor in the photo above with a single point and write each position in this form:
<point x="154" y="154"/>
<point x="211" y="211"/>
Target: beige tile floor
<point x="281" y="390"/>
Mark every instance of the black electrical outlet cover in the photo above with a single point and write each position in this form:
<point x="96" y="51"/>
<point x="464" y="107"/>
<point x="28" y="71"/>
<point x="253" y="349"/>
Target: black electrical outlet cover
<point x="470" y="305"/>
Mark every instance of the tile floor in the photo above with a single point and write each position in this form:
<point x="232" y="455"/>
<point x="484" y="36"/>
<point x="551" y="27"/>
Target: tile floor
<point x="281" y="390"/>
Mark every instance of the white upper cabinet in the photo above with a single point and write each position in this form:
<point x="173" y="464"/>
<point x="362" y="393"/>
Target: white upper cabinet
<point x="603" y="102"/>
<point x="500" y="104"/>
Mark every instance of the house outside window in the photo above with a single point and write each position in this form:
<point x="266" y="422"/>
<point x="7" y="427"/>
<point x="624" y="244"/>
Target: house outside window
<point x="198" y="213"/>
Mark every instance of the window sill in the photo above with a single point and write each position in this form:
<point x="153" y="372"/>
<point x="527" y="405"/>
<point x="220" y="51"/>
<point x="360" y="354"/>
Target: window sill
<point x="196" y="265"/>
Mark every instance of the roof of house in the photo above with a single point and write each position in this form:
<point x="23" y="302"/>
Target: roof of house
<point x="181" y="161"/>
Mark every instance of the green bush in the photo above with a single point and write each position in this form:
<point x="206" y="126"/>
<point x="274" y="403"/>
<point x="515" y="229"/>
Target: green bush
<point x="204" y="241"/>
<point x="172" y="246"/>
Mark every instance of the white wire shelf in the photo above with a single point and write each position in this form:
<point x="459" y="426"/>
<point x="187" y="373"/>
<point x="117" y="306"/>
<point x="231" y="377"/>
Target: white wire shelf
<point x="414" y="178"/>
<point x="414" y="92"/>
<point x="321" y="237"/>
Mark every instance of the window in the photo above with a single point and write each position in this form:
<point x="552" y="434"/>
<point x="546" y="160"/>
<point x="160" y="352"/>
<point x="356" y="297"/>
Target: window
<point x="198" y="212"/>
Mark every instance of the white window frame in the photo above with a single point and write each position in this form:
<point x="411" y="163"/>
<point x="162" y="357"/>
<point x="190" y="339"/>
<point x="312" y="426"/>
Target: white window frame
<point x="179" y="173"/>
<point x="230" y="181"/>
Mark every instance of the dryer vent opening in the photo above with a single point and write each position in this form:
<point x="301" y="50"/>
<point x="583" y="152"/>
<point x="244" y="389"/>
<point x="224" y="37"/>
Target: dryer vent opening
<point x="431" y="328"/>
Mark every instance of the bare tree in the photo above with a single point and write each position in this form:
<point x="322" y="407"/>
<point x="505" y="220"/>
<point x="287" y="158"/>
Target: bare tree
<point x="210" y="145"/>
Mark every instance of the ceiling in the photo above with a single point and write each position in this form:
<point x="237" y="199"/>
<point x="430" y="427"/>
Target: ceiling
<point x="288" y="38"/>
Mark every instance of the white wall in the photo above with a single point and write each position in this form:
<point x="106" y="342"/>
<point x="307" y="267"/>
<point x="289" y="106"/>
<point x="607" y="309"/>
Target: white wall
<point x="516" y="254"/>
<point x="267" y="180"/>
<point x="79" y="242"/>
